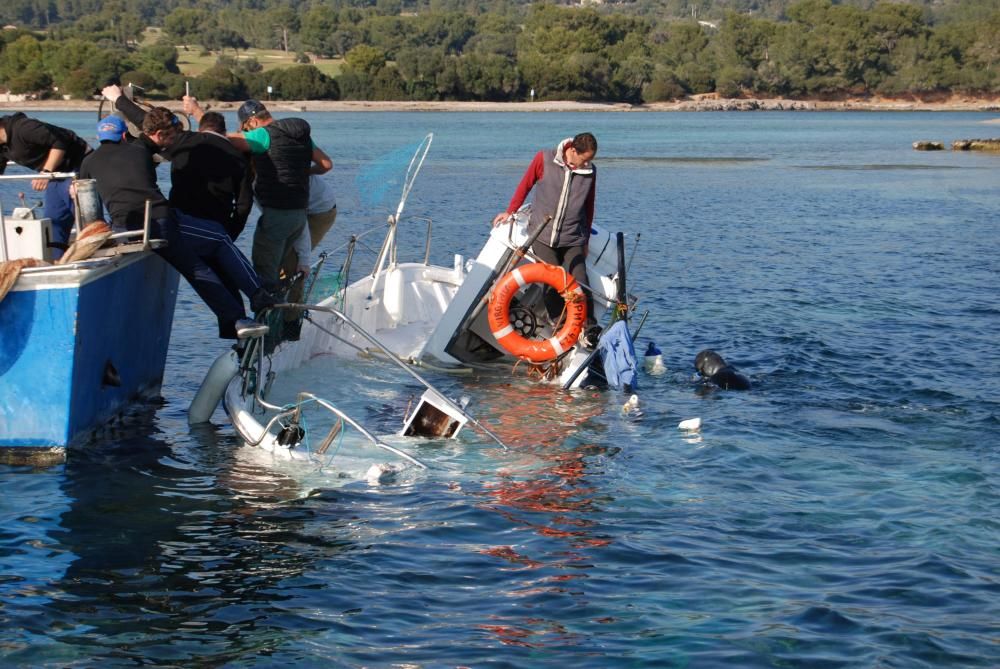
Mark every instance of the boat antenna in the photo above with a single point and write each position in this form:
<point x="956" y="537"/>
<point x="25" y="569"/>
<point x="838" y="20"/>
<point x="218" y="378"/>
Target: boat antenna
<point x="416" y="162"/>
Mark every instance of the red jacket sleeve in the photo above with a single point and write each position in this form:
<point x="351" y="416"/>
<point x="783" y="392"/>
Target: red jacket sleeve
<point x="534" y="172"/>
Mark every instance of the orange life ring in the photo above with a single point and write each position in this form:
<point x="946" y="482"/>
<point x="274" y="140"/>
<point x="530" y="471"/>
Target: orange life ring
<point x="498" y="313"/>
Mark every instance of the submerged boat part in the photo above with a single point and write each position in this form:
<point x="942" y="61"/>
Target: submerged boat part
<point x="433" y="417"/>
<point x="213" y="387"/>
<point x="438" y="398"/>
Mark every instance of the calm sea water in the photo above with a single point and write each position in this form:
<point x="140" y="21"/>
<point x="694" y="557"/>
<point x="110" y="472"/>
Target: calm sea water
<point x="843" y="513"/>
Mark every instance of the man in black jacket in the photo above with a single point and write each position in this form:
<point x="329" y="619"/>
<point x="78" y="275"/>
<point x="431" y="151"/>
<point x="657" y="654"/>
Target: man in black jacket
<point x="45" y="148"/>
<point x="208" y="174"/>
<point x="126" y="180"/>
<point x="214" y="123"/>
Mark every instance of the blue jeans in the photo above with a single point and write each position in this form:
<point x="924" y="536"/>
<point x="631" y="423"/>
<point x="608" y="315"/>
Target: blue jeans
<point x="59" y="207"/>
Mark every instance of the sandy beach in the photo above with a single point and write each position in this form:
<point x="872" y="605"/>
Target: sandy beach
<point x="696" y="103"/>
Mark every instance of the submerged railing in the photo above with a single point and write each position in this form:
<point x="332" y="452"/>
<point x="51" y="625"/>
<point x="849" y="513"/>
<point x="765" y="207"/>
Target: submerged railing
<point x="256" y="383"/>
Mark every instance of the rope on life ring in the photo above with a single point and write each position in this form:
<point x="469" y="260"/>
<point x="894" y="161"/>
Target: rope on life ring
<point x="498" y="313"/>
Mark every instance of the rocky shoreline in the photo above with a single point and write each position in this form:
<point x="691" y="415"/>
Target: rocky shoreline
<point x="705" y="103"/>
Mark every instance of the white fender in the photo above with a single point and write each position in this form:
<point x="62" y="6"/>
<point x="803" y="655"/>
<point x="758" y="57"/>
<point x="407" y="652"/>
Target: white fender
<point x="213" y="387"/>
<point x="394" y="295"/>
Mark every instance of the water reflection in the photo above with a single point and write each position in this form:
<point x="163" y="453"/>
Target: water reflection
<point x="180" y="552"/>
<point x="545" y="490"/>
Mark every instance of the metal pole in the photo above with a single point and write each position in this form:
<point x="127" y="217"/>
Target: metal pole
<point x="145" y="226"/>
<point x="3" y="235"/>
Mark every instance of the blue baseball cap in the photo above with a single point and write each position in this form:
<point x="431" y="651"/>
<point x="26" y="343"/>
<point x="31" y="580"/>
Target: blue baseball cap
<point x="110" y="129"/>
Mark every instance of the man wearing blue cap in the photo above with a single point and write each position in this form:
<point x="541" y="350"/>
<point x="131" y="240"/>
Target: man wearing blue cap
<point x="126" y="180"/>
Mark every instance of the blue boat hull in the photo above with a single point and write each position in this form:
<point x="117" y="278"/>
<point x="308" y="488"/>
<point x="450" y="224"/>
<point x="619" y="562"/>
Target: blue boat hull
<point x="77" y="346"/>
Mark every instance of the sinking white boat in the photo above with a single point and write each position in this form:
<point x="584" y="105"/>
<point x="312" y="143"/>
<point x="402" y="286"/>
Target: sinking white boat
<point x="421" y="317"/>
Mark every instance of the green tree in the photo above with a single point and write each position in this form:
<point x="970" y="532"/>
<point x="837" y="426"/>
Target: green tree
<point x="318" y="24"/>
<point x="556" y="49"/>
<point x="489" y="76"/>
<point x="982" y="55"/>
<point x="387" y="84"/>
<point x="79" y="68"/>
<point x="303" y="82"/>
<point x="419" y="69"/>
<point x="186" y="24"/>
<point x="219" y="83"/>
<point x="21" y="66"/>
<point x="663" y="86"/>
<point x="366" y="59"/>
<point x="220" y="39"/>
<point x="285" y="22"/>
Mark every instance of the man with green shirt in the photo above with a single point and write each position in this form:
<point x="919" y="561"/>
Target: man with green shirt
<point x="283" y="156"/>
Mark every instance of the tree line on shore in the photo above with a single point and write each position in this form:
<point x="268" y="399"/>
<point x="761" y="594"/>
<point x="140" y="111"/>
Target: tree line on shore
<point x="504" y="50"/>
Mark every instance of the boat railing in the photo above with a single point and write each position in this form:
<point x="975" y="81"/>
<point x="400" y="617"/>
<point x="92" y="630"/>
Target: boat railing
<point x="251" y="364"/>
<point x="388" y="254"/>
<point x="389" y="355"/>
<point x="128" y="241"/>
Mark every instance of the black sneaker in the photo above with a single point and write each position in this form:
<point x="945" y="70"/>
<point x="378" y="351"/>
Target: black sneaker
<point x="291" y="330"/>
<point x="261" y="300"/>
<point x="591" y="336"/>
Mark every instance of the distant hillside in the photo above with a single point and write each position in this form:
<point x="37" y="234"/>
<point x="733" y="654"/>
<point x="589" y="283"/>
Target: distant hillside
<point x="42" y="14"/>
<point x="634" y="52"/>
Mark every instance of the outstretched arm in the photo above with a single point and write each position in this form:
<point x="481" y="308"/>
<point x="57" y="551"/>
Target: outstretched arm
<point x="52" y="161"/>
<point x="130" y="110"/>
<point x="321" y="162"/>
<point x="192" y="108"/>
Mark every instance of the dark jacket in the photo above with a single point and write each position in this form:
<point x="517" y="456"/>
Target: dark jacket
<point x="29" y="141"/>
<point x="283" y="171"/>
<point x="209" y="177"/>
<point x="126" y="178"/>
<point x="562" y="195"/>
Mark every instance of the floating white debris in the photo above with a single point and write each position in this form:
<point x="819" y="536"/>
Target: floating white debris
<point x="381" y="473"/>
<point x="652" y="362"/>
<point x="631" y="408"/>
<point x="691" y="424"/>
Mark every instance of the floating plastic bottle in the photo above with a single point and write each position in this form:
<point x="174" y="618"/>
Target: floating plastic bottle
<point x="653" y="361"/>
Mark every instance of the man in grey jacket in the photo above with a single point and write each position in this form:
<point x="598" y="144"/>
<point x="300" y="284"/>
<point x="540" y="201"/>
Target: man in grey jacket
<point x="565" y="184"/>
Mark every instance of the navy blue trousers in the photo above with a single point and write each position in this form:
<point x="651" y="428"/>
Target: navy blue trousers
<point x="204" y="254"/>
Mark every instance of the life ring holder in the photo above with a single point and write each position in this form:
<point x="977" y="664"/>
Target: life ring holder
<point x="498" y="313"/>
